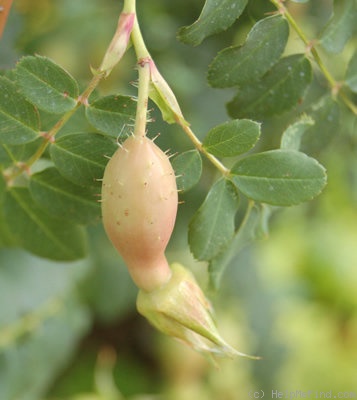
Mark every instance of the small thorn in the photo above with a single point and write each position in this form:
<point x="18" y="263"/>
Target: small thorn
<point x="181" y="202"/>
<point x="179" y="176"/>
<point x="154" y="138"/>
<point x="100" y="201"/>
<point x="106" y="156"/>
<point x="172" y="155"/>
<point x="98" y="179"/>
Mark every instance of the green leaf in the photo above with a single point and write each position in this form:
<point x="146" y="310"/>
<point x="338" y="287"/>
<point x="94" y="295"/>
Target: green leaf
<point x="188" y="169"/>
<point x="340" y="27"/>
<point x="212" y="227"/>
<point x="112" y="114"/>
<point x="40" y="233"/>
<point x="19" y="122"/>
<point x="11" y="154"/>
<point x="216" y="16"/>
<point x="64" y="199"/>
<point x="232" y="138"/>
<point x="81" y="158"/>
<point x="326" y="115"/>
<point x="291" y="138"/>
<point x="351" y="73"/>
<point x="46" y="84"/>
<point x="279" y="177"/>
<point x="241" y="65"/>
<point x="282" y="88"/>
<point x="254" y="227"/>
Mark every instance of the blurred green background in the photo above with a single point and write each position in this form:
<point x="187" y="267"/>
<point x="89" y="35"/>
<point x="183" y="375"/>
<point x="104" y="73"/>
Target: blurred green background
<point x="71" y="331"/>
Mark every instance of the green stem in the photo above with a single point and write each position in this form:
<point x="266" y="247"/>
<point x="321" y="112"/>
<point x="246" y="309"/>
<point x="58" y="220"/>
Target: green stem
<point x="143" y="97"/>
<point x="198" y="144"/>
<point x="335" y="86"/>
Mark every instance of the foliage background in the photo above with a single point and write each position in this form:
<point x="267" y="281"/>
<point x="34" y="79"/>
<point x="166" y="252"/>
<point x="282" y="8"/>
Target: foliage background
<point x="291" y="298"/>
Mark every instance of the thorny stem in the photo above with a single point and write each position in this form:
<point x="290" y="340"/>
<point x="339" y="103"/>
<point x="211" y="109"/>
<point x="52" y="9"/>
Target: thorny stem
<point x="143" y="97"/>
<point x="143" y="56"/>
<point x="335" y="86"/>
<point x="198" y="144"/>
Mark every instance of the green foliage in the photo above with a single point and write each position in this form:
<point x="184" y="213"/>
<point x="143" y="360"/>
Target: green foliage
<point x="81" y="158"/>
<point x="232" y="138"/>
<point x="279" y="177"/>
<point x="64" y="199"/>
<point x="215" y="17"/>
<point x="241" y="65"/>
<point x="109" y="113"/>
<point x="281" y="89"/>
<point x="351" y="73"/>
<point x="341" y="26"/>
<point x="46" y="84"/>
<point x="286" y="90"/>
<point x="38" y="232"/>
<point x="188" y="169"/>
<point x="213" y="225"/>
<point x="19" y="120"/>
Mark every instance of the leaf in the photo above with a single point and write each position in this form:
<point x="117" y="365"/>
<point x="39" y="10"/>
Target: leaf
<point x="19" y="121"/>
<point x="81" y="158"/>
<point x="291" y="138"/>
<point x="254" y="227"/>
<point x="232" y="138"/>
<point x="279" y="177"/>
<point x="340" y="27"/>
<point x="325" y="113"/>
<point x="212" y="227"/>
<point x="40" y="233"/>
<point x="46" y="84"/>
<point x="216" y="16"/>
<point x="188" y="169"/>
<point x="64" y="199"/>
<point x="282" y="88"/>
<point x="351" y="73"/>
<point x="241" y="65"/>
<point x="112" y="114"/>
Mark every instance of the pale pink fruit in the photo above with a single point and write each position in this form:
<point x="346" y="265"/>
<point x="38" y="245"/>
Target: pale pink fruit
<point x="139" y="206"/>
